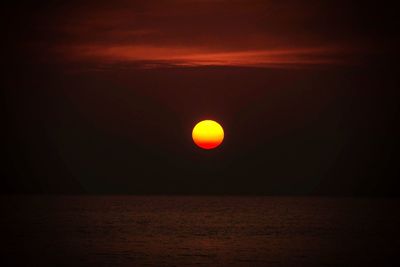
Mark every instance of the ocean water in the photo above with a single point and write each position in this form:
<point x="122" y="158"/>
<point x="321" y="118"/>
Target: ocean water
<point x="198" y="231"/>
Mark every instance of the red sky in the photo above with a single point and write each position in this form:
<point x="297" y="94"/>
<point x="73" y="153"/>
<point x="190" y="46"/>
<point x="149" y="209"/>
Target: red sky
<point x="202" y="33"/>
<point x="107" y="92"/>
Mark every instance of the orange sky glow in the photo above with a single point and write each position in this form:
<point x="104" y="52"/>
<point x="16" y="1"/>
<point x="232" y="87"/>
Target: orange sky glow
<point x="198" y="33"/>
<point x="183" y="56"/>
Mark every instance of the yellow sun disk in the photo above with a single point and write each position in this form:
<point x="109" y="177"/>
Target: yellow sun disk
<point x="208" y="134"/>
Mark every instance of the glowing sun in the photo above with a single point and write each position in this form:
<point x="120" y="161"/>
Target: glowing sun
<point x="208" y="134"/>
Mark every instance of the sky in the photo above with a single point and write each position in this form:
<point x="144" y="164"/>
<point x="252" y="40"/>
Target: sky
<point x="101" y="97"/>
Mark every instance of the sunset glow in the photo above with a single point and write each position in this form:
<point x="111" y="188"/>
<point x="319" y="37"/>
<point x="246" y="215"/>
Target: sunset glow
<point x="156" y="56"/>
<point x="189" y="34"/>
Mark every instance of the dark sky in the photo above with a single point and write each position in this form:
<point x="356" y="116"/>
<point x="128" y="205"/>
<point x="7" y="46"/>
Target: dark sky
<point x="102" y="96"/>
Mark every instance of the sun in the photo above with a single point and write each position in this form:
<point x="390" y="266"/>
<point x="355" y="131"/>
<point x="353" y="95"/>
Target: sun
<point x="208" y="134"/>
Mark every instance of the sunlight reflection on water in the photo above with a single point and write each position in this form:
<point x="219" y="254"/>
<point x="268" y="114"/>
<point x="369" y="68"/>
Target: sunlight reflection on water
<point x="199" y="231"/>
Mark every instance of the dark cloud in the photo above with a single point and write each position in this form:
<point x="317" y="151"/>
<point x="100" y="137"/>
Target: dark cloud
<point x="192" y="33"/>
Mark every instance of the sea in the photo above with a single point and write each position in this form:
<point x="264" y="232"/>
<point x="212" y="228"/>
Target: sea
<point x="199" y="231"/>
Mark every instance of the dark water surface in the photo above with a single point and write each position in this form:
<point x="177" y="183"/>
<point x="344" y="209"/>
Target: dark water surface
<point x="199" y="231"/>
